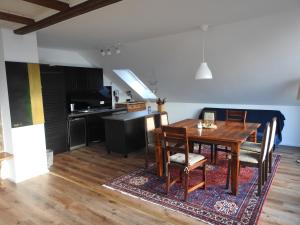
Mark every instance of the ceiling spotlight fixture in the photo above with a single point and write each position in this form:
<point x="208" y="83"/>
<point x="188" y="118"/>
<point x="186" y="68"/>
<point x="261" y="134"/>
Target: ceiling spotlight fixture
<point x="102" y="52"/>
<point x="114" y="49"/>
<point x="203" y="71"/>
<point x="118" y="51"/>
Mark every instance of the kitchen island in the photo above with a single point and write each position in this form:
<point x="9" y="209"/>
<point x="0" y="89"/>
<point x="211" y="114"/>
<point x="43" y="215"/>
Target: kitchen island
<point x="125" y="132"/>
<point x="85" y="126"/>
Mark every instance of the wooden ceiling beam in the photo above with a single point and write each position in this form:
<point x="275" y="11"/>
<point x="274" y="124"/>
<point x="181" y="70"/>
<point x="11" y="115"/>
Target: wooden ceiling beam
<point x="15" y="18"/>
<point x="52" y="4"/>
<point x="74" y="11"/>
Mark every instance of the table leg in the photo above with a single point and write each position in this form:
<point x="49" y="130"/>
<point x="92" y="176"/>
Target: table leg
<point x="191" y="146"/>
<point x="158" y="155"/>
<point x="235" y="168"/>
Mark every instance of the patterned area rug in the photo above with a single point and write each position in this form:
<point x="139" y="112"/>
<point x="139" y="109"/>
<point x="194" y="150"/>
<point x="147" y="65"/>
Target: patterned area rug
<point x="215" y="205"/>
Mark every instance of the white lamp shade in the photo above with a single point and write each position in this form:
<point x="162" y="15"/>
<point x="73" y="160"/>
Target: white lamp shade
<point x="203" y="72"/>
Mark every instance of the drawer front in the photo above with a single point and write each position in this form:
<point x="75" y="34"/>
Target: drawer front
<point x="136" y="107"/>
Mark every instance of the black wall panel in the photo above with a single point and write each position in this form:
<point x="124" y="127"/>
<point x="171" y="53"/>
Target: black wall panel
<point x="19" y="93"/>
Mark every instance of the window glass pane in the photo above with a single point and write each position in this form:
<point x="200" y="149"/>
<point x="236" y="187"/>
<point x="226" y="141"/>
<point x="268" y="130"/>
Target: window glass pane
<point x="135" y="83"/>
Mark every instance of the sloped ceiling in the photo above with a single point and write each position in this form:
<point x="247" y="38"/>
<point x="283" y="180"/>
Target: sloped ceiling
<point x="256" y="61"/>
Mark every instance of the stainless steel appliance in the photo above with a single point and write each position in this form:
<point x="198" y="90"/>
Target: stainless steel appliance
<point x="77" y="132"/>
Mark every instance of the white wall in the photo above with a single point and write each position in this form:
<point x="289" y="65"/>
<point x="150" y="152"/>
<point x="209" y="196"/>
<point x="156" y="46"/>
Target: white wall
<point x="27" y="144"/>
<point x="62" y="57"/>
<point x="20" y="48"/>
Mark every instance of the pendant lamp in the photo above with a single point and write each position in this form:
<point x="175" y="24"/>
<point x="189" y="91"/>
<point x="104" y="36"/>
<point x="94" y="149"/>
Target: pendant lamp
<point x="203" y="71"/>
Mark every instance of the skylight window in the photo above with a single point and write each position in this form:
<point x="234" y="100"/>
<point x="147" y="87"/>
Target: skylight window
<point x="135" y="83"/>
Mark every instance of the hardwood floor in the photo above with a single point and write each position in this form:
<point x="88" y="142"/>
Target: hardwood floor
<point x="72" y="194"/>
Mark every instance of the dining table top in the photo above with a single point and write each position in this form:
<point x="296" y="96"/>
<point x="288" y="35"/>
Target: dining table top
<point x="227" y="131"/>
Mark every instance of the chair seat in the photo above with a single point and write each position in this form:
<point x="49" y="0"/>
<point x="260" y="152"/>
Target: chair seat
<point x="248" y="157"/>
<point x="251" y="146"/>
<point x="180" y="158"/>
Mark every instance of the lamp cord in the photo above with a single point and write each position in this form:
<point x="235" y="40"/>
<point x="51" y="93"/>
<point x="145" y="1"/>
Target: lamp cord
<point x="203" y="46"/>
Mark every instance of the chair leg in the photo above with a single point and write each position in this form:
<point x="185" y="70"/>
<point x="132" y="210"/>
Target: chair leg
<point x="186" y="186"/>
<point x="215" y="156"/>
<point x="259" y="179"/>
<point x="204" y="176"/>
<point x="262" y="173"/>
<point x="191" y="146"/>
<point x="270" y="161"/>
<point x="146" y="158"/>
<point x="212" y="150"/>
<point x="228" y="173"/>
<point x="266" y="169"/>
<point x="168" y="179"/>
<point x="181" y="176"/>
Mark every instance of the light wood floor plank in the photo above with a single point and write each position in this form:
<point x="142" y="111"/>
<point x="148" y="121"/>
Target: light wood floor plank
<point x="72" y="194"/>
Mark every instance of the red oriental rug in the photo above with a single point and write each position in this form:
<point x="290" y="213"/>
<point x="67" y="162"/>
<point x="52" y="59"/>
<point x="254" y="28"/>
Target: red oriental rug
<point x="215" y="205"/>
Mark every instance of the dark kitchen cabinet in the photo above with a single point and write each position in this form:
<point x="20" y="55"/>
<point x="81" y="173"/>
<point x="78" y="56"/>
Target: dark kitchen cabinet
<point x="94" y="78"/>
<point x="54" y="98"/>
<point x="96" y="127"/>
<point x="80" y="79"/>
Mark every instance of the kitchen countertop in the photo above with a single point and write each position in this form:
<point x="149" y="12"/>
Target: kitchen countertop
<point x="95" y="111"/>
<point x="129" y="115"/>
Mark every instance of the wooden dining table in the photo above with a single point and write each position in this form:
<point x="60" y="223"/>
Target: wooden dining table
<point x="227" y="133"/>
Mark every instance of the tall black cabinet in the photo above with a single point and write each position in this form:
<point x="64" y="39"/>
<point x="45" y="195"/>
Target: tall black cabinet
<point x="54" y="98"/>
<point x="58" y="84"/>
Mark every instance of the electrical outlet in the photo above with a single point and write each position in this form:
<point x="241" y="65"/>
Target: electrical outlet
<point x="101" y="102"/>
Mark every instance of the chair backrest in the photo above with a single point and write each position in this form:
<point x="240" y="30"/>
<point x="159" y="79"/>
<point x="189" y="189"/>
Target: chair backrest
<point x="149" y="129"/>
<point x="273" y="133"/>
<point x="176" y="140"/>
<point x="164" y="120"/>
<point x="209" y="116"/>
<point x="236" y="115"/>
<point x="265" y="142"/>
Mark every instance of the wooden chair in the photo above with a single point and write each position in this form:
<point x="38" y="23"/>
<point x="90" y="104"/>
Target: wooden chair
<point x="209" y="116"/>
<point x="149" y="136"/>
<point x="253" y="159"/>
<point x="176" y="141"/>
<point x="235" y="116"/>
<point x="164" y="119"/>
<point x="256" y="147"/>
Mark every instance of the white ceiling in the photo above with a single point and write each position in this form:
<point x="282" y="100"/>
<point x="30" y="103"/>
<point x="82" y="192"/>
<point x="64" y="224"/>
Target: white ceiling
<point x="134" y="20"/>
